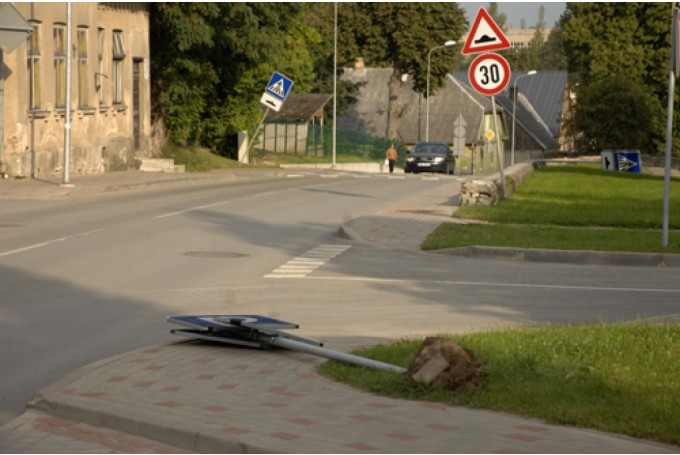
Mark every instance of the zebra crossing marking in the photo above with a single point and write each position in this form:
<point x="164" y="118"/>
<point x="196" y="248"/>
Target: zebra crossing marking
<point x="306" y="263"/>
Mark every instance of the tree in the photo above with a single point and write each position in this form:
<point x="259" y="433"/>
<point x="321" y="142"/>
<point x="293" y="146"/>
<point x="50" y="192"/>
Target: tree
<point x="612" y="41"/>
<point x="400" y="36"/>
<point x="615" y="112"/>
<point x="212" y="61"/>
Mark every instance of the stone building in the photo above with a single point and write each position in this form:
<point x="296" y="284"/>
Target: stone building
<point x="110" y="89"/>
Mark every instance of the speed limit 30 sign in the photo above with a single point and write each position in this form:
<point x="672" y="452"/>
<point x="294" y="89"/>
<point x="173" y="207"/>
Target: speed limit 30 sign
<point x="489" y="74"/>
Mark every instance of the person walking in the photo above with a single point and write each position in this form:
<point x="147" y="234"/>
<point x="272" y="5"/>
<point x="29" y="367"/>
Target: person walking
<point x="391" y="156"/>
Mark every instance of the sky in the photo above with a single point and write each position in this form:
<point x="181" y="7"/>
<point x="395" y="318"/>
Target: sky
<point x="516" y="11"/>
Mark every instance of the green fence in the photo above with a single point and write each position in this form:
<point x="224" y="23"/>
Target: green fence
<point x="304" y="138"/>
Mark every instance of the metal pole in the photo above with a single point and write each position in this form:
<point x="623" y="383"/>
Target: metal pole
<point x="514" y="108"/>
<point x="498" y="146"/>
<point x="3" y="165"/>
<point x="67" y="120"/>
<point x="427" y="90"/>
<point x="334" y="355"/>
<point x="669" y="130"/>
<point x="335" y="79"/>
<point x="427" y="98"/>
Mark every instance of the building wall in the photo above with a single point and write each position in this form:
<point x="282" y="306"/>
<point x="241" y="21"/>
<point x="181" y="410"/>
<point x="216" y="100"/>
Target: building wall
<point x="103" y="130"/>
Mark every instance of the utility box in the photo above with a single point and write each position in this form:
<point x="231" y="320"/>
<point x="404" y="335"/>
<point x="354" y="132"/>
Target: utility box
<point x="621" y="160"/>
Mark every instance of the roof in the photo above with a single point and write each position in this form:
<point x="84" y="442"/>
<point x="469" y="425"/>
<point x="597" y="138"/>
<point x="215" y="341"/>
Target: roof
<point x="545" y="91"/>
<point x="302" y="107"/>
<point x="538" y="109"/>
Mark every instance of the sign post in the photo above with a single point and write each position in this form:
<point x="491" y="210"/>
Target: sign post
<point x="275" y="93"/>
<point x="489" y="73"/>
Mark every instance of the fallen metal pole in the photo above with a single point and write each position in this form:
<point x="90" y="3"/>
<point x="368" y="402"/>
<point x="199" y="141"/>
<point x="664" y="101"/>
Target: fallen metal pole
<point x="334" y="355"/>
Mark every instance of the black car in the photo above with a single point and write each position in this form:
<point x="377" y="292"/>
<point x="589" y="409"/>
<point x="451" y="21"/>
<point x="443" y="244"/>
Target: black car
<point x="430" y="157"/>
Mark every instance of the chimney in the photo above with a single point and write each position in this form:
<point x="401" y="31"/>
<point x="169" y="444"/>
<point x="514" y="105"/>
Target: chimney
<point x="359" y="67"/>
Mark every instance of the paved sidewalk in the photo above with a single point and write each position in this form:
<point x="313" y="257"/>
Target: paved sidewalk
<point x="188" y="396"/>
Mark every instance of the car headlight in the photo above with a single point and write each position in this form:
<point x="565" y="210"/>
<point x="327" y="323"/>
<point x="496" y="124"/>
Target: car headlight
<point x="409" y="159"/>
<point x="438" y="159"/>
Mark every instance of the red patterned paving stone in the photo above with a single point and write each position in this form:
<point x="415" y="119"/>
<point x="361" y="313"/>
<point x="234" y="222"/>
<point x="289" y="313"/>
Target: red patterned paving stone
<point x="170" y="404"/>
<point x="273" y="404"/>
<point x="172" y="388"/>
<point x="378" y="404"/>
<point x="230" y="386"/>
<point x="522" y="437"/>
<point x="117" y="379"/>
<point x="361" y="446"/>
<point x="240" y="366"/>
<point x="155" y="367"/>
<point x="363" y="417"/>
<point x="436" y="406"/>
<point x="277" y="389"/>
<point x="143" y="384"/>
<point x="285" y="436"/>
<point x="303" y="421"/>
<point x="306" y="376"/>
<point x="266" y="371"/>
<point x="236" y="430"/>
<point x="290" y="394"/>
<point x="441" y="426"/>
<point x="527" y="427"/>
<point x="215" y="408"/>
<point x="204" y="359"/>
<point x="206" y="377"/>
<point x="402" y="436"/>
<point x="92" y="394"/>
<point x="66" y="391"/>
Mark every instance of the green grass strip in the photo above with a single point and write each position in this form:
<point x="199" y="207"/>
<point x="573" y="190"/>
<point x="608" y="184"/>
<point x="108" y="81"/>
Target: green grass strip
<point x="621" y="378"/>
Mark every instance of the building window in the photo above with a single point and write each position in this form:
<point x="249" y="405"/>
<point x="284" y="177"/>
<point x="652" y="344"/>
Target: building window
<point x="60" y="65"/>
<point x="99" y="77"/>
<point x="117" y="73"/>
<point x="83" y="86"/>
<point x="35" y="91"/>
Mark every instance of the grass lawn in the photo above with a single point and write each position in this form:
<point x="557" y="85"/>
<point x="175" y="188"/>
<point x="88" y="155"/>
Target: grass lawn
<point x="572" y="207"/>
<point x="620" y="378"/>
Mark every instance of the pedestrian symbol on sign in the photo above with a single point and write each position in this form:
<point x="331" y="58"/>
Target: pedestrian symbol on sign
<point x="277" y="88"/>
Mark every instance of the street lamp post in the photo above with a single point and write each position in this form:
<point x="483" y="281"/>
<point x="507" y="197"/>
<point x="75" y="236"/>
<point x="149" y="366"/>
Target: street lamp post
<point x="514" y="109"/>
<point x="427" y="92"/>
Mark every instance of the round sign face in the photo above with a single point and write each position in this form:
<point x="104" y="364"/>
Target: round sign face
<point x="489" y="74"/>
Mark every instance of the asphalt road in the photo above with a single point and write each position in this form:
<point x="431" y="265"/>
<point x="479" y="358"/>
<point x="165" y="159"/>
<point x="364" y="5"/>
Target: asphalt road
<point x="87" y="278"/>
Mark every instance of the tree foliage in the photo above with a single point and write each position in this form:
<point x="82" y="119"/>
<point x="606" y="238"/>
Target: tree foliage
<point x="607" y="43"/>
<point x="211" y="62"/>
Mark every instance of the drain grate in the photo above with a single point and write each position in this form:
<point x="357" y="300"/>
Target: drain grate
<point x="214" y="254"/>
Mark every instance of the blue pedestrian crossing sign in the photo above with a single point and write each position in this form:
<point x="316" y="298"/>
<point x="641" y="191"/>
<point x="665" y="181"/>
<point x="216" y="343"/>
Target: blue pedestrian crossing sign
<point x="621" y="160"/>
<point x="277" y="90"/>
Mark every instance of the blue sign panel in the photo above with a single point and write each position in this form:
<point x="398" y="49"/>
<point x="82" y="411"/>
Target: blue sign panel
<point x="621" y="160"/>
<point x="223" y="321"/>
<point x="279" y="86"/>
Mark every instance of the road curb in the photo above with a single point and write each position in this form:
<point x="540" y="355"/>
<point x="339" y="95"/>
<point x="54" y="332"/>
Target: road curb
<point x="567" y="256"/>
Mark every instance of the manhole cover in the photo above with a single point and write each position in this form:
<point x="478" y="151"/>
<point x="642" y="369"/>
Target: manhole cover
<point x="214" y="254"/>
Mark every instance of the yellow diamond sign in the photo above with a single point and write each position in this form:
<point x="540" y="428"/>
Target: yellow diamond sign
<point x="490" y="135"/>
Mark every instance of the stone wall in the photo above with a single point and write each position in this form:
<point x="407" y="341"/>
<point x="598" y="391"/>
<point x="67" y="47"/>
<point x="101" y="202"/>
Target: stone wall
<point x="488" y="191"/>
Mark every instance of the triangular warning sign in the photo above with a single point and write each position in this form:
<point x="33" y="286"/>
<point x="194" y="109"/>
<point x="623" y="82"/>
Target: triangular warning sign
<point x="277" y="88"/>
<point x="485" y="35"/>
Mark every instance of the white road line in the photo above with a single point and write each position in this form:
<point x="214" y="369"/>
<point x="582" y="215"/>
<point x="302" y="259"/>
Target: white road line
<point x="49" y="242"/>
<point x="306" y="263"/>
<point x="509" y="285"/>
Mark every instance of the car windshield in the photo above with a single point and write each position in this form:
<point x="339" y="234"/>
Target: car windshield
<point x="431" y="149"/>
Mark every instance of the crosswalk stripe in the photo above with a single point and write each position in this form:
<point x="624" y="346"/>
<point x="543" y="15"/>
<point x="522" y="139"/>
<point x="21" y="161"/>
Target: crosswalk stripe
<point x="306" y="263"/>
